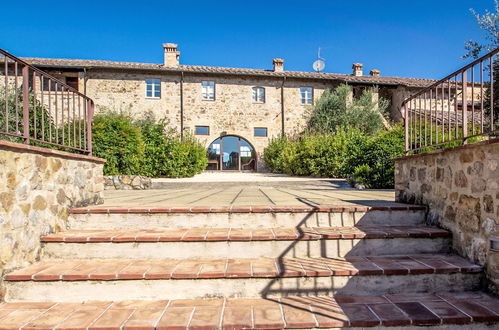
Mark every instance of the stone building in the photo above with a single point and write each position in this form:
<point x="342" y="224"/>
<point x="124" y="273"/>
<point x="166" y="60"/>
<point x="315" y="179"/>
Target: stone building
<point x="235" y="112"/>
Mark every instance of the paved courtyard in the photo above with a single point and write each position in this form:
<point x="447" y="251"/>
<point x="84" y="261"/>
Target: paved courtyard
<point x="247" y="189"/>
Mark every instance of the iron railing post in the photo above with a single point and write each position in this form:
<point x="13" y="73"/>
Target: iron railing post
<point x="26" y="104"/>
<point x="465" y="105"/>
<point x="406" y="127"/>
<point x="492" y="121"/>
<point x="90" y="116"/>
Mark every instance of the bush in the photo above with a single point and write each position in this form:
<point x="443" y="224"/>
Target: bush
<point x="45" y="126"/>
<point x="145" y="147"/>
<point x="376" y="167"/>
<point x="273" y="154"/>
<point x="191" y="156"/>
<point x="119" y="141"/>
<point x="323" y="155"/>
<point x="348" y="153"/>
<point x="166" y="155"/>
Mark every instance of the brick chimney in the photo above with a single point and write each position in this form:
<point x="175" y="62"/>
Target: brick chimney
<point x="172" y="56"/>
<point x="357" y="69"/>
<point x="374" y="73"/>
<point x="278" y="64"/>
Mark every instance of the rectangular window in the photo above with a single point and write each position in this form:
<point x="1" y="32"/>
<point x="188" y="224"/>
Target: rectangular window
<point x="72" y="82"/>
<point x="202" y="130"/>
<point x="306" y="94"/>
<point x="259" y="94"/>
<point x="208" y="90"/>
<point x="260" y="131"/>
<point x="153" y="88"/>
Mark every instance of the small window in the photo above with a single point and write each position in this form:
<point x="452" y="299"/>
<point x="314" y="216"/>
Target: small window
<point x="153" y="88"/>
<point x="306" y="95"/>
<point x="259" y="94"/>
<point x="208" y="90"/>
<point x="358" y="90"/>
<point x="72" y="82"/>
<point x="202" y="130"/>
<point x="260" y="131"/>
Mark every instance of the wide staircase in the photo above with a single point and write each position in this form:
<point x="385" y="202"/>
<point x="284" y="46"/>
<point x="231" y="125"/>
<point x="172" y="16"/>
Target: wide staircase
<point x="248" y="267"/>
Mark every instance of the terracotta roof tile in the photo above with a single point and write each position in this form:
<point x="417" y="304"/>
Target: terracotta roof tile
<point x="381" y="80"/>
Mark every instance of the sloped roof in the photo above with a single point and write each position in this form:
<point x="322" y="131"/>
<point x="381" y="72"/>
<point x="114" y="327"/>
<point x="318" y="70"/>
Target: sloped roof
<point x="377" y="80"/>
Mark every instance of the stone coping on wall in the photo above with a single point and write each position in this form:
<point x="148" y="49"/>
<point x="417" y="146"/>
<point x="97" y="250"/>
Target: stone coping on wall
<point x="48" y="152"/>
<point x="434" y="152"/>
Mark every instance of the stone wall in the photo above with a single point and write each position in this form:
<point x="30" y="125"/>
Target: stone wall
<point x="233" y="110"/>
<point x="127" y="182"/>
<point x="460" y="186"/>
<point x="37" y="188"/>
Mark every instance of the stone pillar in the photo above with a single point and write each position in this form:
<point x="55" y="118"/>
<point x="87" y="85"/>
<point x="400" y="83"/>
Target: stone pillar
<point x="375" y="95"/>
<point x="172" y="56"/>
<point x="278" y="64"/>
<point x="357" y="69"/>
<point x="350" y="96"/>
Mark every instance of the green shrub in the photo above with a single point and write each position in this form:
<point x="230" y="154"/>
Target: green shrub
<point x="145" y="147"/>
<point x="353" y="142"/>
<point x="45" y="126"/>
<point x="348" y="153"/>
<point x="323" y="155"/>
<point x="273" y="154"/>
<point x="119" y="141"/>
<point x="361" y="174"/>
<point x="165" y="154"/>
<point x="192" y="158"/>
<point x="376" y="168"/>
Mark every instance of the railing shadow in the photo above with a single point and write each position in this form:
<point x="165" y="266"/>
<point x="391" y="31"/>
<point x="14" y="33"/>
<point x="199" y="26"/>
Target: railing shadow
<point x="316" y="293"/>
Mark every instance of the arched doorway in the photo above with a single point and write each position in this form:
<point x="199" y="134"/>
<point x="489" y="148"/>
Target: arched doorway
<point x="231" y="153"/>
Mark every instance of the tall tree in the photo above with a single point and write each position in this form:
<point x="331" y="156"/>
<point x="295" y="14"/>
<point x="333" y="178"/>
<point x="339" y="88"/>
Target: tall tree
<point x="489" y="23"/>
<point x="336" y="109"/>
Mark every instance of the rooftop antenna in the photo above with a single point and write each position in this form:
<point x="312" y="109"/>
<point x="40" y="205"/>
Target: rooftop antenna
<point x="319" y="63"/>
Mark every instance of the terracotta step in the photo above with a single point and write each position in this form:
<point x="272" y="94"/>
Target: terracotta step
<point x="131" y="279"/>
<point x="461" y="310"/>
<point x="381" y="214"/>
<point x="387" y="206"/>
<point x="260" y="267"/>
<point x="244" y="234"/>
<point x="198" y="243"/>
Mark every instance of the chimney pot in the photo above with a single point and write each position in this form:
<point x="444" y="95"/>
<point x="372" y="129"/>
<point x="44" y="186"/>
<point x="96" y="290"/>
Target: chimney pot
<point x="357" y="69"/>
<point x="278" y="64"/>
<point x="171" y="55"/>
<point x="374" y="73"/>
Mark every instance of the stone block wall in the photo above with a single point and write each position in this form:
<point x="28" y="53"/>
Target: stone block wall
<point x="38" y="186"/>
<point x="460" y="186"/>
<point x="127" y="182"/>
<point x="233" y="111"/>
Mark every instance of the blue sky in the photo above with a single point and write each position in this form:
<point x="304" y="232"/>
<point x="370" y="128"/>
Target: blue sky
<point x="417" y="38"/>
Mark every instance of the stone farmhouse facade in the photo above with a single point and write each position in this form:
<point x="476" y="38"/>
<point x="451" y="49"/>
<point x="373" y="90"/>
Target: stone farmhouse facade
<point x="246" y="107"/>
